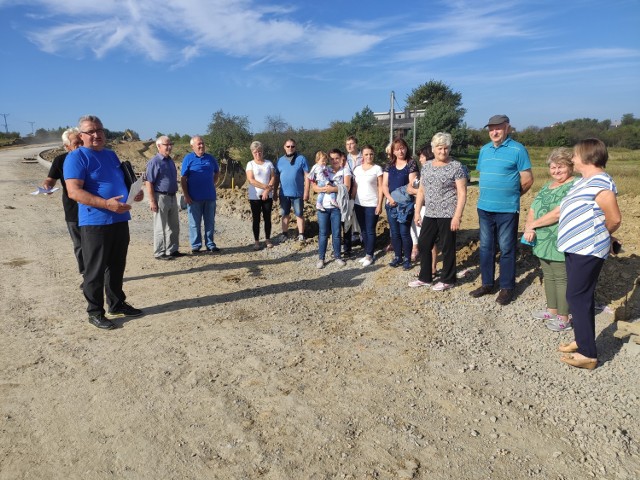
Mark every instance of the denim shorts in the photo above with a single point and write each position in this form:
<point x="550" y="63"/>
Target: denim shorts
<point x="285" y="205"/>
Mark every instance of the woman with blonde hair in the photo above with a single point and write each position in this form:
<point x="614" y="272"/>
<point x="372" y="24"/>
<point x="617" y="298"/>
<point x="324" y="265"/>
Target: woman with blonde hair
<point x="443" y="191"/>
<point x="544" y="236"/>
<point x="261" y="178"/>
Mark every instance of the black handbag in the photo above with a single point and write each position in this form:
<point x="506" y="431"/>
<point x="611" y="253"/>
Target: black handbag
<point x="129" y="175"/>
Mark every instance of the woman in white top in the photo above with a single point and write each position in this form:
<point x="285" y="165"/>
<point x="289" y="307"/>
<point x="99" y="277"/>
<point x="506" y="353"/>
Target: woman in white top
<point x="368" y="201"/>
<point x="260" y="174"/>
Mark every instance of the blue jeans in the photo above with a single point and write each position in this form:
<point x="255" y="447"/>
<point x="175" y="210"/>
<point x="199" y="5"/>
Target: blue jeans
<point x="204" y="209"/>
<point x="503" y="228"/>
<point x="367" y="219"/>
<point x="330" y="218"/>
<point x="400" y="236"/>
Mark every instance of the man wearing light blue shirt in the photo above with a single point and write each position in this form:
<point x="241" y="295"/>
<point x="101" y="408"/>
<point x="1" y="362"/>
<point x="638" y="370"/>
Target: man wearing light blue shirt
<point x="291" y="175"/>
<point x="505" y="175"/>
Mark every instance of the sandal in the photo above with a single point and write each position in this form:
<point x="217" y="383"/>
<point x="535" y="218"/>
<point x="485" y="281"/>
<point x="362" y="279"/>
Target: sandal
<point x="269" y="244"/>
<point x="256" y="246"/>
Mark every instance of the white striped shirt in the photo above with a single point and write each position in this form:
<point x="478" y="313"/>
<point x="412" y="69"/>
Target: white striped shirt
<point x="581" y="228"/>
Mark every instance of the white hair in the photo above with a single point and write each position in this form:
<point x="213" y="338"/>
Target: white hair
<point x="67" y="132"/>
<point x="162" y="139"/>
<point x="441" y="138"/>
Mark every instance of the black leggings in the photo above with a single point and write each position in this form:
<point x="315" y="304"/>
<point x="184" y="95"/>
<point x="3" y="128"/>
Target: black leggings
<point x="264" y="206"/>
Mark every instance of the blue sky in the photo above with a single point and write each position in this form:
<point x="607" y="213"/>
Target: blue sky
<point x="168" y="66"/>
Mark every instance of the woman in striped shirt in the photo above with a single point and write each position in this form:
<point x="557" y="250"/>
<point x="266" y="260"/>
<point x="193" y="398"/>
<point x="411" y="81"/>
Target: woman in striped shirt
<point x="589" y="214"/>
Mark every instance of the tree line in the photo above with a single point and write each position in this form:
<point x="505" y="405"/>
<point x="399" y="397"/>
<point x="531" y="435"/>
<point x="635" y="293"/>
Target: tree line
<point x="229" y="136"/>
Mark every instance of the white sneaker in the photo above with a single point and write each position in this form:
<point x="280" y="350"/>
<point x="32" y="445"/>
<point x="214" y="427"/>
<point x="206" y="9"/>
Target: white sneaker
<point x="361" y="260"/>
<point x="463" y="273"/>
<point x="419" y="283"/>
<point x="544" y="315"/>
<point x="340" y="262"/>
<point x="441" y="286"/>
<point x="367" y="261"/>
<point x="301" y="238"/>
<point x="320" y="264"/>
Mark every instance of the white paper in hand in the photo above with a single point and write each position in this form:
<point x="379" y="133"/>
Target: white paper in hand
<point x="135" y="189"/>
<point x="46" y="191"/>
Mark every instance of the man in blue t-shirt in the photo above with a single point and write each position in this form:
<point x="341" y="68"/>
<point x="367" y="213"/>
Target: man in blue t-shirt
<point x="95" y="180"/>
<point x="200" y="173"/>
<point x="505" y="175"/>
<point x="291" y="173"/>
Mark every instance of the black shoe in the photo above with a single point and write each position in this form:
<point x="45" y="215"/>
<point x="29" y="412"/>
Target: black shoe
<point x="395" y="262"/>
<point x="407" y="265"/>
<point x="176" y="254"/>
<point x="125" y="310"/>
<point x="196" y="252"/>
<point x="99" y="321"/>
<point x="213" y="250"/>
<point x="505" y="295"/>
<point x="164" y="257"/>
<point x="481" y="291"/>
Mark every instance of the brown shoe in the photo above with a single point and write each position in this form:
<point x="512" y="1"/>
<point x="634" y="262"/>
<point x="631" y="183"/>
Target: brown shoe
<point x="505" y="295"/>
<point x="480" y="291"/>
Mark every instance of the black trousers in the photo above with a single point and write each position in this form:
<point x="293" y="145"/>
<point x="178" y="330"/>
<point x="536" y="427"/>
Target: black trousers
<point x="432" y="229"/>
<point x="74" y="233"/>
<point x="263" y="207"/>
<point x="582" y="277"/>
<point x="104" y="250"/>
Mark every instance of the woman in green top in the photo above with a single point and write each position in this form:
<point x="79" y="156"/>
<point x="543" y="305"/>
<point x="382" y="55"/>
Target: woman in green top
<point x="542" y="228"/>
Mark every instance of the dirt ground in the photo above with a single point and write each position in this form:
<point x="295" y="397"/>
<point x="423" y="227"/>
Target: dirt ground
<point x="251" y="365"/>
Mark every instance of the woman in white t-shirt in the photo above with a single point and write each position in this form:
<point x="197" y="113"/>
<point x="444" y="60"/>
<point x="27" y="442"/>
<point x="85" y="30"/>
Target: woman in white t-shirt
<point x="260" y="174"/>
<point x="368" y="201"/>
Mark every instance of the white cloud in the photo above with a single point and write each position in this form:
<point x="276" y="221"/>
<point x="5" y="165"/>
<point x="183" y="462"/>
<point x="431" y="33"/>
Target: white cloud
<point x="180" y="30"/>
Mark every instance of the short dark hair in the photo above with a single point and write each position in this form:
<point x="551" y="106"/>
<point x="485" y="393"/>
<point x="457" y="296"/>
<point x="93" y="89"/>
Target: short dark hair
<point x="427" y="151"/>
<point x="592" y="152"/>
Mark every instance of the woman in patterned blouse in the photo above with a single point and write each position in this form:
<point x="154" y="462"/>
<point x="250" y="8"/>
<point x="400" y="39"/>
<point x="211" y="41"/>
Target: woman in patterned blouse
<point x="443" y="191"/>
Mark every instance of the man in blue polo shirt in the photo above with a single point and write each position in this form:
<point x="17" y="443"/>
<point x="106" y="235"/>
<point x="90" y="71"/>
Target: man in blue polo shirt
<point x="95" y="180"/>
<point x="162" y="185"/>
<point x="291" y="171"/>
<point x="200" y="173"/>
<point x="505" y="175"/>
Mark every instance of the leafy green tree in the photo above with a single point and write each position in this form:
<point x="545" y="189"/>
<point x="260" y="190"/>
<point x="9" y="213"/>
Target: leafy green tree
<point x="443" y="113"/>
<point x="627" y="119"/>
<point x="226" y="132"/>
<point x="363" y="120"/>
<point x="435" y="92"/>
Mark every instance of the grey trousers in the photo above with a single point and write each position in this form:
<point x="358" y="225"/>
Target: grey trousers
<point x="166" y="225"/>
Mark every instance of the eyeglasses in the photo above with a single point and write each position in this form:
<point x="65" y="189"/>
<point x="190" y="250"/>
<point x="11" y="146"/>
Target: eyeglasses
<point x="98" y="131"/>
<point x="289" y="146"/>
<point x="167" y="144"/>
